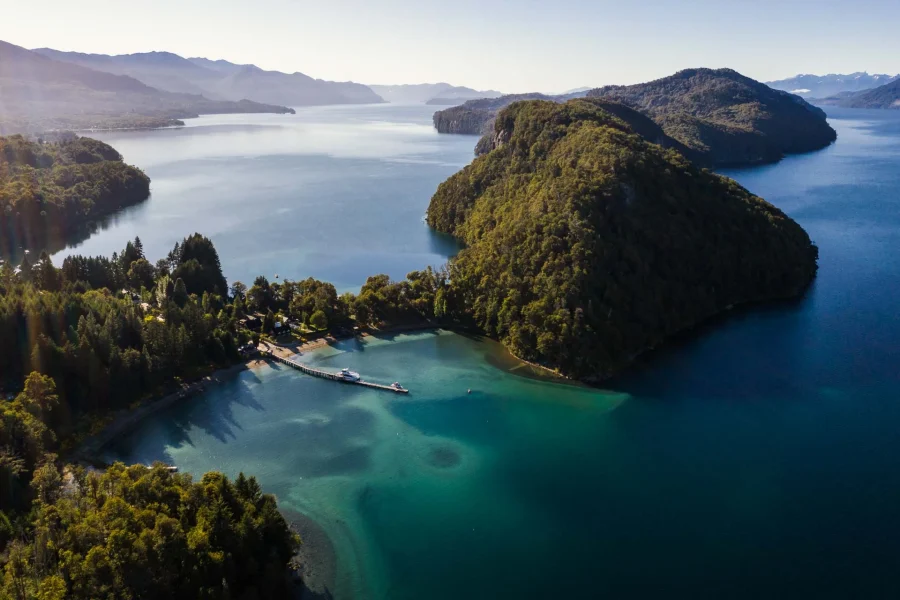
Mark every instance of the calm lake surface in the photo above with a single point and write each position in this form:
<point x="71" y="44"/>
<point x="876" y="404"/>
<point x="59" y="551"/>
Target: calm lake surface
<point x="337" y="193"/>
<point x="759" y="458"/>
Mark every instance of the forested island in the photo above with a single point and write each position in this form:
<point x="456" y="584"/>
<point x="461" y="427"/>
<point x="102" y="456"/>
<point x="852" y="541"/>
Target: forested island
<point x="724" y="118"/>
<point x="52" y="187"/>
<point x="587" y="245"/>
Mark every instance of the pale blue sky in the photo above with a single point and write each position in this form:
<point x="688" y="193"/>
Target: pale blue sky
<point x="547" y="45"/>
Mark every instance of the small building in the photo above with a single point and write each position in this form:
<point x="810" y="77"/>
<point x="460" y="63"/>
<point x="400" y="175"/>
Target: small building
<point x="251" y="322"/>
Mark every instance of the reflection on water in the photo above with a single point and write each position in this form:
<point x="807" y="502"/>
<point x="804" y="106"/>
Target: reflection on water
<point x="336" y="193"/>
<point x="56" y="241"/>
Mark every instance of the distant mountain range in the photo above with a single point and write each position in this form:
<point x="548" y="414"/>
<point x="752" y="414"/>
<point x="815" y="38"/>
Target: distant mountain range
<point x="824" y="86"/>
<point x="430" y="93"/>
<point x="885" y="96"/>
<point x="220" y="79"/>
<point x="39" y="93"/>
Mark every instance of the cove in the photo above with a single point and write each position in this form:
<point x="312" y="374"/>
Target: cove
<point x="757" y="457"/>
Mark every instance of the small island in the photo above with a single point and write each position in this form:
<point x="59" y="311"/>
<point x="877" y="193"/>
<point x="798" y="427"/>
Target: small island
<point x="55" y="185"/>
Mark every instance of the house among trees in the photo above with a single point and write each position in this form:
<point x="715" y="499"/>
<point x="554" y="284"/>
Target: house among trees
<point x="251" y="322"/>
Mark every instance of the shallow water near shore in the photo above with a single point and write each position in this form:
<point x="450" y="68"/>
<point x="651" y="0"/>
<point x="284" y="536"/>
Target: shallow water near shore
<point x="756" y="458"/>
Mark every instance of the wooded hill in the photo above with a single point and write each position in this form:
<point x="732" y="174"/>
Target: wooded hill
<point x="722" y="117"/>
<point x="587" y="244"/>
<point x="728" y="118"/>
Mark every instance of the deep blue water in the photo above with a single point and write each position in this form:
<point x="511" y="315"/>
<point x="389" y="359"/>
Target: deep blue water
<point x="337" y="193"/>
<point x="756" y="458"/>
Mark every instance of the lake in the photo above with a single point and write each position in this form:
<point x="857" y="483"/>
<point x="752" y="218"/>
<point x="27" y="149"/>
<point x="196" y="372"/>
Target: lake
<point x="756" y="458"/>
<point x="338" y="193"/>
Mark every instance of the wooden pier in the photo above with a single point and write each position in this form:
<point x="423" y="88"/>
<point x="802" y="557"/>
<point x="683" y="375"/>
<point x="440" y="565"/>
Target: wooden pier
<point x="328" y="375"/>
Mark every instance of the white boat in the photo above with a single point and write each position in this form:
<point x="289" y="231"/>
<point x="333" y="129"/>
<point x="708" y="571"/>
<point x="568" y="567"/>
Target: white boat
<point x="396" y="385"/>
<point x="348" y="375"/>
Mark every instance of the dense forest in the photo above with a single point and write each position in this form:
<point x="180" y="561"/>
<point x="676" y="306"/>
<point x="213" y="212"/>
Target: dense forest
<point x="587" y="245"/>
<point x="143" y="532"/>
<point x="97" y="334"/>
<point x="49" y="187"/>
<point x="79" y="342"/>
<point x="110" y="331"/>
<point x="728" y="118"/>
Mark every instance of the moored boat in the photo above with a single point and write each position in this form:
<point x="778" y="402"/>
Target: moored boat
<point x="348" y="375"/>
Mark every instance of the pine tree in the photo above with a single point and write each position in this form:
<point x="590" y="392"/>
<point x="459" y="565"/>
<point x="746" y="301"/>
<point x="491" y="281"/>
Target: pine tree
<point x="179" y="294"/>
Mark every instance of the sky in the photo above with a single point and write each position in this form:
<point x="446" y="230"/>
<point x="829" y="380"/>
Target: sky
<point x="511" y="46"/>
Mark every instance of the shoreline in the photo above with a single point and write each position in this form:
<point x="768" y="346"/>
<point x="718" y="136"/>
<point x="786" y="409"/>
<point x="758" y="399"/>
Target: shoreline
<point x="315" y="563"/>
<point x="122" y="421"/>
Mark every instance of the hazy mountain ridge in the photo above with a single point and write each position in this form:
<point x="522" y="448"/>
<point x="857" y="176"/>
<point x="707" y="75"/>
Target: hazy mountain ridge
<point x="823" y="86"/>
<point x="39" y="93"/>
<point x="162" y="70"/>
<point x="221" y="79"/>
<point x="885" y="96"/>
<point x="430" y="93"/>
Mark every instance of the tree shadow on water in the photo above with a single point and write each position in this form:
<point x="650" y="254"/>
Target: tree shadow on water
<point x="211" y="410"/>
<point x="310" y="434"/>
<point x="752" y="352"/>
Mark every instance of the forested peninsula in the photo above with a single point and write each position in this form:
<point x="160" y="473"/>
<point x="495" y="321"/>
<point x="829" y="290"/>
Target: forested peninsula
<point x="587" y="244"/>
<point x="52" y="187"/>
<point x="722" y="117"/>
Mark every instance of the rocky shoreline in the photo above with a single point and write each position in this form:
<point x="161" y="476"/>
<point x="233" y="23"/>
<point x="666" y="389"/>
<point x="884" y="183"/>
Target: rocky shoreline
<point x="315" y="563"/>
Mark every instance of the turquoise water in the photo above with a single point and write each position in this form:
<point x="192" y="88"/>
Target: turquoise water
<point x="757" y="458"/>
<point x="337" y="193"/>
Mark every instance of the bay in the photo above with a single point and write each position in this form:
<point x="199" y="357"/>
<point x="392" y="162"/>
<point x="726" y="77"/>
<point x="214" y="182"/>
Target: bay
<point x="338" y="193"/>
<point x="757" y="457"/>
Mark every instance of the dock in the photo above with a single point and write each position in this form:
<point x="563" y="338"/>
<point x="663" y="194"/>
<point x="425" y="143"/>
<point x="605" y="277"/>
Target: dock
<point x="328" y="375"/>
